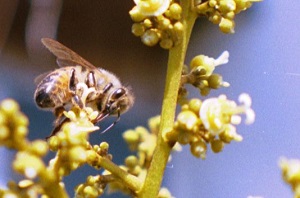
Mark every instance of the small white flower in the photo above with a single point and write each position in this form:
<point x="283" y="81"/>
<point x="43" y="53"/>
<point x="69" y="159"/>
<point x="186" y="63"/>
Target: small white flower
<point x="245" y="100"/>
<point x="210" y="63"/>
<point x="152" y="7"/>
<point x="222" y="59"/>
<point x="218" y="113"/>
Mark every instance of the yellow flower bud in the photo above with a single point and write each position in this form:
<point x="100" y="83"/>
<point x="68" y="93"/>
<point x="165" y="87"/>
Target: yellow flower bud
<point x="166" y="43"/>
<point x="195" y="105"/>
<point x="216" y="145"/>
<point x="138" y="29"/>
<point x="187" y="120"/>
<point x="39" y="147"/>
<point x="9" y="107"/>
<point x="90" y="192"/>
<point x="175" y="11"/>
<point x="77" y="154"/>
<point x="227" y="25"/>
<point x="131" y="161"/>
<point x="226" y="5"/>
<point x="104" y="146"/>
<point x="135" y="15"/>
<point x="198" y="149"/>
<point x="150" y="38"/>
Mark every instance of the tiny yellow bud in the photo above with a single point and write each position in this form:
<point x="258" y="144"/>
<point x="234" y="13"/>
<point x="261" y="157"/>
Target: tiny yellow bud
<point x="226" y="6"/>
<point x="178" y="27"/>
<point x="166" y="43"/>
<point x="215" y="18"/>
<point x="78" y="154"/>
<point x="130" y="136"/>
<point x="212" y="3"/>
<point x="9" y="107"/>
<point x="184" y="137"/>
<point x="175" y="11"/>
<point x="25" y="183"/>
<point x="104" y="146"/>
<point x="147" y="23"/>
<point x="4" y="132"/>
<point x="227" y="25"/>
<point x="204" y="91"/>
<point x="198" y="149"/>
<point x="150" y="38"/>
<point x="138" y="29"/>
<point x="91" y="180"/>
<point x="2" y="118"/>
<point x="91" y="156"/>
<point x="135" y="15"/>
<point x="93" y="115"/>
<point x="131" y="161"/>
<point x="197" y="61"/>
<point x="54" y="143"/>
<point x="89" y="191"/>
<point x="187" y="120"/>
<point x="39" y="147"/>
<point x="164" y="193"/>
<point x="216" y="145"/>
<point x="215" y="81"/>
<point x="230" y="15"/>
<point x="195" y="105"/>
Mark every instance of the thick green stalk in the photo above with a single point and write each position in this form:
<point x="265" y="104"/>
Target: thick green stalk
<point x="175" y="64"/>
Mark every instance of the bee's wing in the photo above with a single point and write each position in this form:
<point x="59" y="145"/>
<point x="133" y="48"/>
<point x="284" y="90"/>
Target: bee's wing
<point x="40" y="77"/>
<point x="64" y="55"/>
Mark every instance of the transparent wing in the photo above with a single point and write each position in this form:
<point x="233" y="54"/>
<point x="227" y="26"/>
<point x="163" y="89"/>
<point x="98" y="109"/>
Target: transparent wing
<point x="40" y="77"/>
<point x="64" y="55"/>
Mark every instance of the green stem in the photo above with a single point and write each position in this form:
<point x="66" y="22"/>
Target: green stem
<point x="131" y="181"/>
<point x="162" y="151"/>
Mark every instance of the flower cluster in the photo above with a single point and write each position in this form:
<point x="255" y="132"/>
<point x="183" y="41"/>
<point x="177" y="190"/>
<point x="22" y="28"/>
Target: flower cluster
<point x="142" y="141"/>
<point x="28" y="160"/>
<point x="95" y="185"/>
<point x="291" y="173"/>
<point x="201" y="74"/>
<point x="210" y="122"/>
<point x="157" y="21"/>
<point x="71" y="142"/>
<point x="13" y="125"/>
<point x="222" y="12"/>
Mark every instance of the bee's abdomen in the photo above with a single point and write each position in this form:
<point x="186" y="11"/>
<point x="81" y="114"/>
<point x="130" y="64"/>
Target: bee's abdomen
<point x="43" y="99"/>
<point x="53" y="90"/>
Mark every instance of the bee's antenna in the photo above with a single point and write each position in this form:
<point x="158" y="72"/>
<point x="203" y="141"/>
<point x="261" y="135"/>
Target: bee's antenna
<point x="113" y="124"/>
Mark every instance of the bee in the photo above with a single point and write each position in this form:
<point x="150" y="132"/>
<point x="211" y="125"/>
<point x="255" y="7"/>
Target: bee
<point x="57" y="90"/>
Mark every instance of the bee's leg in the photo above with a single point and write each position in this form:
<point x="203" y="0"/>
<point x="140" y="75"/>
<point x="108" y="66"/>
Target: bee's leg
<point x="90" y="80"/>
<point x="58" y="127"/>
<point x="72" y="87"/>
<point x="107" y="87"/>
<point x="59" y="121"/>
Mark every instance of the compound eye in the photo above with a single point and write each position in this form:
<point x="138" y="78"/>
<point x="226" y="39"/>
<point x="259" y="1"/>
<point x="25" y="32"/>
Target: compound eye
<point x="118" y="94"/>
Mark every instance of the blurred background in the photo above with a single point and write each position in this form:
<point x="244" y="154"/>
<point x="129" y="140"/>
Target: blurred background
<point x="264" y="55"/>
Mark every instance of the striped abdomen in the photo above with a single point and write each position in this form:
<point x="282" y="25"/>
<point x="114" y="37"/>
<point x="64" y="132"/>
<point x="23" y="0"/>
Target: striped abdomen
<point x="53" y="90"/>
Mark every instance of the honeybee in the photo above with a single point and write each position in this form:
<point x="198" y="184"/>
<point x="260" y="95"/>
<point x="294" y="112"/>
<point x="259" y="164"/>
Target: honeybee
<point x="57" y="90"/>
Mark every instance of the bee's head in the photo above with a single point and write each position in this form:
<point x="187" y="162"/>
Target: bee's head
<point x="119" y="101"/>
